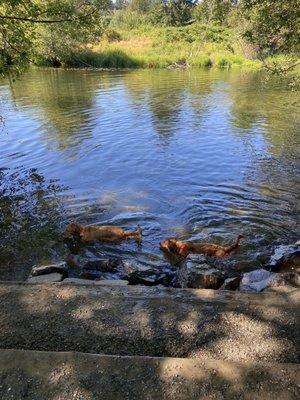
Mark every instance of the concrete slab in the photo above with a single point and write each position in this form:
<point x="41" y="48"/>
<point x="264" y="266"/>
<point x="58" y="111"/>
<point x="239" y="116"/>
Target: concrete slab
<point x="104" y="282"/>
<point x="150" y="321"/>
<point x="53" y="277"/>
<point x="32" y="375"/>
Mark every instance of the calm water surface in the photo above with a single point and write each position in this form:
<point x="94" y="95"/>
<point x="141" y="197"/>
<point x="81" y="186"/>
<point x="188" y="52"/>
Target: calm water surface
<point x="202" y="155"/>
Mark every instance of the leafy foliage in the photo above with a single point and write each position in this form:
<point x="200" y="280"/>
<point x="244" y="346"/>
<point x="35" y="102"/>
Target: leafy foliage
<point x="214" y="11"/>
<point x="65" y="32"/>
<point x="273" y="25"/>
<point x="52" y="24"/>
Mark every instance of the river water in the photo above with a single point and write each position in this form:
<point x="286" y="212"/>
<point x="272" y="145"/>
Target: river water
<point x="201" y="155"/>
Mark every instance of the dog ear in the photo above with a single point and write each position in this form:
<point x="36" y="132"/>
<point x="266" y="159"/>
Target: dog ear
<point x="174" y="246"/>
<point x="182" y="250"/>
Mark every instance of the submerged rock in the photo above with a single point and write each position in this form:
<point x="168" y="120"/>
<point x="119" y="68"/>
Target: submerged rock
<point x="196" y="273"/>
<point x="285" y="258"/>
<point x="60" y="267"/>
<point x="54" y="277"/>
<point x="260" y="279"/>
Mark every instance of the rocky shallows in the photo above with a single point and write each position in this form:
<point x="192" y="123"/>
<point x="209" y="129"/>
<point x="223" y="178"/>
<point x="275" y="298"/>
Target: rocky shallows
<point x="196" y="271"/>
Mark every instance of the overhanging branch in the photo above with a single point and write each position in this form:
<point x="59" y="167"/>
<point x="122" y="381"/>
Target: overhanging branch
<point x="46" y="21"/>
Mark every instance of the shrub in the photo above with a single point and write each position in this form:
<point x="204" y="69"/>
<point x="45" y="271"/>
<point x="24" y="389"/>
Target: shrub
<point x="112" y="35"/>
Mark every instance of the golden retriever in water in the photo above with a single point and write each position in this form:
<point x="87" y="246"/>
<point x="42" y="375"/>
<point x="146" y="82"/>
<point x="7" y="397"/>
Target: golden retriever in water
<point x="104" y="233"/>
<point x="181" y="248"/>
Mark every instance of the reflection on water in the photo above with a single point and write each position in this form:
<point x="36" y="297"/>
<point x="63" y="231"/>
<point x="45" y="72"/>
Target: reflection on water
<point x="198" y="154"/>
<point x="30" y="221"/>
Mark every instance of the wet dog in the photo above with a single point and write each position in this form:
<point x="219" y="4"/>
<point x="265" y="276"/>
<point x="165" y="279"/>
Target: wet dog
<point x="103" y="233"/>
<point x="182" y="248"/>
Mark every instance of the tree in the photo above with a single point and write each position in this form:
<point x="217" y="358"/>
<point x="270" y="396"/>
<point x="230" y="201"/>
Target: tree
<point x="214" y="10"/>
<point x="171" y="12"/>
<point x="179" y="11"/>
<point x="21" y="21"/>
<point x="272" y="25"/>
<point x="140" y="6"/>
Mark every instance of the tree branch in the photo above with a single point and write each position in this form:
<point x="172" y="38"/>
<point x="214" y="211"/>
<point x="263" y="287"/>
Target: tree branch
<point x="280" y="69"/>
<point x="46" y="21"/>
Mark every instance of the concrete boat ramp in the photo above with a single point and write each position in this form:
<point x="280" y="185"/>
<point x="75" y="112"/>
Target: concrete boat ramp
<point x="77" y="341"/>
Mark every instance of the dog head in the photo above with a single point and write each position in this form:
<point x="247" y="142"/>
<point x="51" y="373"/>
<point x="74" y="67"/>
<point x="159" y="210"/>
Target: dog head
<point x="175" y="246"/>
<point x="74" y="229"/>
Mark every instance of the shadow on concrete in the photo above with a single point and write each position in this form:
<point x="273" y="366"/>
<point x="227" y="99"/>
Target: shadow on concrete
<point x="205" y="326"/>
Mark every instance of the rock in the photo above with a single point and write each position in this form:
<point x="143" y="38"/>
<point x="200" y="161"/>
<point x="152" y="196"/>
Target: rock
<point x="130" y="268"/>
<point x="94" y="274"/>
<point x="89" y="254"/>
<point x="104" y="265"/>
<point x="54" y="277"/>
<point x="60" y="267"/>
<point x="231" y="283"/>
<point x="260" y="279"/>
<point x="196" y="273"/>
<point x="113" y="282"/>
<point x="137" y="273"/>
<point x="285" y="257"/>
<point x="74" y="261"/>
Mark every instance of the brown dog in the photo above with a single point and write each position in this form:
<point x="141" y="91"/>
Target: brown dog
<point x="181" y="248"/>
<point x="104" y="233"/>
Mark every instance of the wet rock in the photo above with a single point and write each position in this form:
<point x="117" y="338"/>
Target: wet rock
<point x="231" y="283"/>
<point x="92" y="253"/>
<point x="104" y="265"/>
<point x="92" y="275"/>
<point x="53" y="277"/>
<point x="74" y="261"/>
<point x="196" y="273"/>
<point x="137" y="273"/>
<point x="113" y="282"/>
<point x="260" y="279"/>
<point x="285" y="258"/>
<point x="60" y="267"/>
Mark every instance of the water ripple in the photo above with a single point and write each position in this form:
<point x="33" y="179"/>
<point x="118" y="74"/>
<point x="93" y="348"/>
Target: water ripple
<point x="197" y="154"/>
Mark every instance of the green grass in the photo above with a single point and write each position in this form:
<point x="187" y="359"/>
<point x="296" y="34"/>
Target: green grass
<point x="147" y="46"/>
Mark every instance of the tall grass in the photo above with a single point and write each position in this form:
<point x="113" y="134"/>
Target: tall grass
<point x="148" y="46"/>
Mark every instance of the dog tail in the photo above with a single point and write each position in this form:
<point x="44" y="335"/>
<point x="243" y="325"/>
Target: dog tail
<point x="235" y="244"/>
<point x="137" y="234"/>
